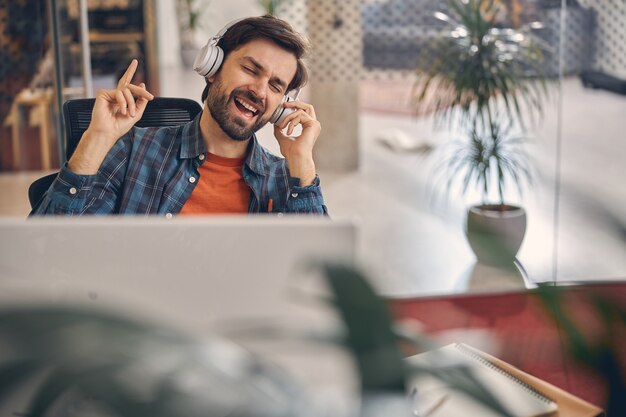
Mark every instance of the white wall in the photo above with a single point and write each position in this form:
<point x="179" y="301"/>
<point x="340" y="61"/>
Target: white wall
<point x="221" y="12"/>
<point x="168" y="42"/>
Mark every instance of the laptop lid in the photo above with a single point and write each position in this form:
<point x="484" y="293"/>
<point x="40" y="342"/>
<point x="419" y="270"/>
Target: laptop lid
<point x="192" y="271"/>
<point x="208" y="276"/>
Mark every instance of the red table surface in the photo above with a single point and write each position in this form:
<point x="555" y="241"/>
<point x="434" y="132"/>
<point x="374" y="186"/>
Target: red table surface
<point x="528" y="336"/>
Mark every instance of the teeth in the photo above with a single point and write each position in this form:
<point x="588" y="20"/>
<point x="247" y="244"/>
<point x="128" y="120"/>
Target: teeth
<point x="246" y="105"/>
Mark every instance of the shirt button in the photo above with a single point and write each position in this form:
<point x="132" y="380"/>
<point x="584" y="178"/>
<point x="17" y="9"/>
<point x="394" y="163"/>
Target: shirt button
<point x="279" y="215"/>
<point x="294" y="195"/>
<point x="192" y="179"/>
<point x="73" y="190"/>
<point x="201" y="157"/>
<point x="168" y="216"/>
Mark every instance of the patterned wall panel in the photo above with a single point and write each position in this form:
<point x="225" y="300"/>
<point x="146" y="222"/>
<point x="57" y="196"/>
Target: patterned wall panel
<point x="295" y="12"/>
<point x="334" y="29"/>
<point x="394" y="31"/>
<point x="609" y="43"/>
<point x="579" y="34"/>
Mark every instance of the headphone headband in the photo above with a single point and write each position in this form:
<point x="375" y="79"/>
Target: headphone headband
<point x="223" y="31"/>
<point x="210" y="57"/>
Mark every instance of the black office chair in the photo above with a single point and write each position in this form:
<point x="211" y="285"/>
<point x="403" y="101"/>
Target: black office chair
<point x="161" y="111"/>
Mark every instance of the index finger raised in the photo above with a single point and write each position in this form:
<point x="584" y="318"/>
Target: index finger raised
<point x="128" y="75"/>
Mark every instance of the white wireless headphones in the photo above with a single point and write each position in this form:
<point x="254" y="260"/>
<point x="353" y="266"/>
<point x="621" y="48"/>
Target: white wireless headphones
<point x="210" y="58"/>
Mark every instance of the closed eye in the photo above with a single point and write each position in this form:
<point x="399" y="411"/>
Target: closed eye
<point x="250" y="70"/>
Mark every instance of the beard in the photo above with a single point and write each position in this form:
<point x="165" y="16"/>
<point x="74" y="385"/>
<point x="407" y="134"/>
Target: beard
<point x="236" y="127"/>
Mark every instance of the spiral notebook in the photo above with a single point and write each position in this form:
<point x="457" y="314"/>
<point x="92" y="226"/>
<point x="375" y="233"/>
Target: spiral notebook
<point x="434" y="398"/>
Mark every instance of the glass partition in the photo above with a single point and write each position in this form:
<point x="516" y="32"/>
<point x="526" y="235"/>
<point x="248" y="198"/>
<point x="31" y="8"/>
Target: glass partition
<point x="420" y="172"/>
<point x="591" y="229"/>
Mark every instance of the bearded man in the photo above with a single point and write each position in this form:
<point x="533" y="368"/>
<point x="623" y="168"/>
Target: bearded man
<point x="213" y="164"/>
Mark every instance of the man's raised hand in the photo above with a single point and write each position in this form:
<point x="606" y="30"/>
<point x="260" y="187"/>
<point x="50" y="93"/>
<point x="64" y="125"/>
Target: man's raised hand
<point x="114" y="113"/>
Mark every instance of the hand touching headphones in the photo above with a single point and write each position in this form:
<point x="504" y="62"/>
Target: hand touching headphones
<point x="210" y="58"/>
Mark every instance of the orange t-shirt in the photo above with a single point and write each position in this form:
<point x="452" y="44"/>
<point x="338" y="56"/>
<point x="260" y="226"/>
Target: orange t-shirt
<point x="221" y="188"/>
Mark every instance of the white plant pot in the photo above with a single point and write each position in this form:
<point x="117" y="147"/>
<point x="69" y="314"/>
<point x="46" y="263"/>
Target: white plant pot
<point x="495" y="232"/>
<point x="188" y="55"/>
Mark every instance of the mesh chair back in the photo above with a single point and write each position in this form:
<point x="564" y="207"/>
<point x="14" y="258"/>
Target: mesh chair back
<point x="161" y="111"/>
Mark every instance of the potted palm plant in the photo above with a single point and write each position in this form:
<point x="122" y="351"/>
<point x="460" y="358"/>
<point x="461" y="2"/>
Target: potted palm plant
<point x="484" y="79"/>
<point x="488" y="161"/>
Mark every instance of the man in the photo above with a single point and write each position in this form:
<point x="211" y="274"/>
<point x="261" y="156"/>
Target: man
<point x="213" y="164"/>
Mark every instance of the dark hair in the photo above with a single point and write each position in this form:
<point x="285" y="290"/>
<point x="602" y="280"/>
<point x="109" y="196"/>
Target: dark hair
<point x="270" y="28"/>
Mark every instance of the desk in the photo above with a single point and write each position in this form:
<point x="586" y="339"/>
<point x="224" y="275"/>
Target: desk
<point x="39" y="101"/>
<point x="526" y="335"/>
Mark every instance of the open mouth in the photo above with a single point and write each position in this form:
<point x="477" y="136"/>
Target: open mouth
<point x="246" y="108"/>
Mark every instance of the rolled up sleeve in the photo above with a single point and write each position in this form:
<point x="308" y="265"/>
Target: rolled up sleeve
<point x="305" y="200"/>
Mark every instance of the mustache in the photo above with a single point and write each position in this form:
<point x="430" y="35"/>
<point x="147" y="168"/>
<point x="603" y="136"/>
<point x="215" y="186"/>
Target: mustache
<point x="249" y="95"/>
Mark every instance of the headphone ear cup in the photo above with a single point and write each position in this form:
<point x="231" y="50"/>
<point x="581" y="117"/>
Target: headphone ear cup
<point x="281" y="112"/>
<point x="208" y="60"/>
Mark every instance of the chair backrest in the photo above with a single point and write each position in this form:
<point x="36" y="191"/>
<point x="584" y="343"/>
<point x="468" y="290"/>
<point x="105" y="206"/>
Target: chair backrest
<point x="161" y="111"/>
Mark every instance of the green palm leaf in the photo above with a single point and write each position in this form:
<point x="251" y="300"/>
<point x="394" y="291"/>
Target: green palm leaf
<point x="474" y="63"/>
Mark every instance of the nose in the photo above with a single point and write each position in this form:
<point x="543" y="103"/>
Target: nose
<point x="259" y="88"/>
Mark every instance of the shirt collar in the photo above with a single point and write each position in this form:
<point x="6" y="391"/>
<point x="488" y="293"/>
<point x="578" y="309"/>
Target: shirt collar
<point x="256" y="158"/>
<point x="192" y="146"/>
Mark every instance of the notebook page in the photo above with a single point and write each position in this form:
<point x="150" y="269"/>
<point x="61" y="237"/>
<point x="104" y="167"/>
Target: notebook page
<point x="435" y="399"/>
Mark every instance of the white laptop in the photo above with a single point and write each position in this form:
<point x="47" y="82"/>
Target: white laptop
<point x="194" y="270"/>
<point x="210" y="275"/>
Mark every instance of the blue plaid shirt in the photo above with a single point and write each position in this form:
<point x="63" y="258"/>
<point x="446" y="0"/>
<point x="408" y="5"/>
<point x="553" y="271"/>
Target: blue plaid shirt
<point x="154" y="170"/>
